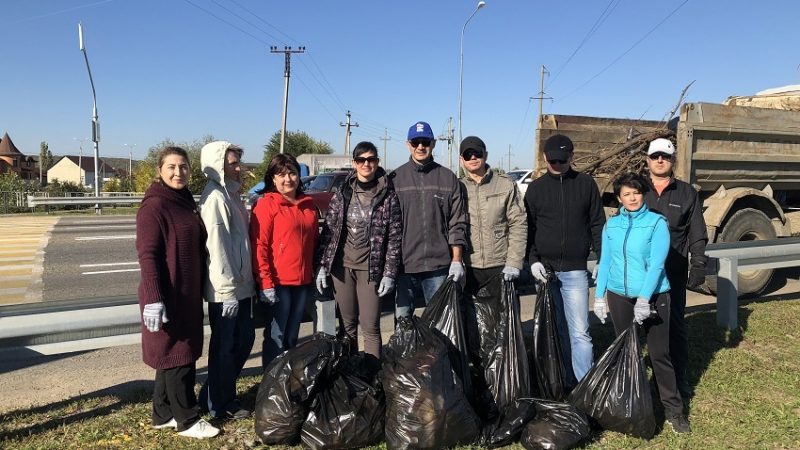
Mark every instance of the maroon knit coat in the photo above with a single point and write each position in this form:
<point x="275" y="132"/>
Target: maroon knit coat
<point x="170" y="240"/>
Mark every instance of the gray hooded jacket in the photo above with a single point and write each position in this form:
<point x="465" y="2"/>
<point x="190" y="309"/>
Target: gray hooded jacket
<point x="230" y="274"/>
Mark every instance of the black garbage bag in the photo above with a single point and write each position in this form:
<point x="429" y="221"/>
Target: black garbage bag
<point x="349" y="412"/>
<point x="506" y="428"/>
<point x="616" y="391"/>
<point x="558" y="426"/>
<point x="289" y="385"/>
<point x="504" y="360"/>
<point x="551" y="374"/>
<point x="425" y="404"/>
<point x="444" y="313"/>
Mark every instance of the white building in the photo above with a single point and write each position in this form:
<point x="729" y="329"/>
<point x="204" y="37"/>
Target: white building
<point x="318" y="163"/>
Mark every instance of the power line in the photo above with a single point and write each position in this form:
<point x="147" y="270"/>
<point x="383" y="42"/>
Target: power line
<point x="226" y="22"/>
<point x="627" y="51"/>
<point x="602" y="18"/>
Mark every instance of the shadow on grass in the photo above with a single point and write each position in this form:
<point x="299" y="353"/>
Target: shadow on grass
<point x="125" y="394"/>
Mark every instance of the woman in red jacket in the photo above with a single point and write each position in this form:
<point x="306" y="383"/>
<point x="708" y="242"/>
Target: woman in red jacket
<point x="283" y="234"/>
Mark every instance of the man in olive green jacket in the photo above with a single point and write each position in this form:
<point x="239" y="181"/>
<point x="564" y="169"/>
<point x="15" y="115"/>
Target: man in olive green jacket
<point x="497" y="234"/>
<point x="497" y="221"/>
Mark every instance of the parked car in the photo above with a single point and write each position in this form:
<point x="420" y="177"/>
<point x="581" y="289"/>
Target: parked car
<point x="322" y="188"/>
<point x="522" y="177"/>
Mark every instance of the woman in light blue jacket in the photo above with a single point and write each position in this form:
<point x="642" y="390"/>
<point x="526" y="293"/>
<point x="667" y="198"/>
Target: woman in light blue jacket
<point x="631" y="282"/>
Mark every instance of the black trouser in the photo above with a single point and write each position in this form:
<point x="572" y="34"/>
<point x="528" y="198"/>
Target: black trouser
<point x="677" y="274"/>
<point x="657" y="331"/>
<point x="173" y="396"/>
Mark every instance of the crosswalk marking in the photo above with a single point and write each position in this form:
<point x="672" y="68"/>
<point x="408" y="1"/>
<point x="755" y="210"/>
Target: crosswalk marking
<point x="22" y="243"/>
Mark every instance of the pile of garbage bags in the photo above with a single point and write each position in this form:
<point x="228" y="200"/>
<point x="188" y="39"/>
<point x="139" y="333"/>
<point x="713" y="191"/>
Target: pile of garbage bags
<point x="458" y="375"/>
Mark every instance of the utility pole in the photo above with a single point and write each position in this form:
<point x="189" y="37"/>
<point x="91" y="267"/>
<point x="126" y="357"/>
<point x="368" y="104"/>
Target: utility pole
<point x="347" y="126"/>
<point x="287" y="52"/>
<point x="509" y="157"/>
<point x="540" y="97"/>
<point x="449" y="138"/>
<point x="385" y="140"/>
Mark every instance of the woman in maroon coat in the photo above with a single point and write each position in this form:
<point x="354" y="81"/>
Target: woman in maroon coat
<point x="170" y="240"/>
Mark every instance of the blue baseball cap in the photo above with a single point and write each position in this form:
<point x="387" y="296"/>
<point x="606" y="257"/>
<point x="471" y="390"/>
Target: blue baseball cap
<point x="420" y="130"/>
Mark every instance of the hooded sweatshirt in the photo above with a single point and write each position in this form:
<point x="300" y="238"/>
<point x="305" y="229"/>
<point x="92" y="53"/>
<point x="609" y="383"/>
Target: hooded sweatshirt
<point x="230" y="274"/>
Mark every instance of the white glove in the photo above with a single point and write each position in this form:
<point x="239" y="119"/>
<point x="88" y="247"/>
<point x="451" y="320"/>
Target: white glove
<point x="386" y="286"/>
<point x="601" y="309"/>
<point x="230" y="308"/>
<point x="456" y="270"/>
<point x="538" y="271"/>
<point x="322" y="280"/>
<point x="510" y="273"/>
<point x="641" y="310"/>
<point x="594" y="271"/>
<point x="154" y="315"/>
<point x="268" y="296"/>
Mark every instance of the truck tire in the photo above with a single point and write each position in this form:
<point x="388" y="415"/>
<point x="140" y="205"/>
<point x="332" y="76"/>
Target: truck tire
<point x="747" y="225"/>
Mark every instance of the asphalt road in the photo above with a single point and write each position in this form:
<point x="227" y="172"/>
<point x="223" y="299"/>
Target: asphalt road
<point x="91" y="257"/>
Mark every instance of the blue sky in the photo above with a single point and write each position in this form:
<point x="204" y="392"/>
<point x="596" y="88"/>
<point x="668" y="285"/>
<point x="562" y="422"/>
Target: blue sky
<point x="182" y="69"/>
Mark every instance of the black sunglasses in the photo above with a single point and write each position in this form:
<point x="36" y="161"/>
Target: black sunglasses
<point x="656" y="156"/>
<point x="557" y="161"/>
<point x="361" y="160"/>
<point x="425" y="142"/>
<point x="472" y="153"/>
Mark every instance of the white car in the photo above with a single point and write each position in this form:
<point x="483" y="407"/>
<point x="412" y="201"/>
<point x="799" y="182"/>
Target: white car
<point x="522" y="177"/>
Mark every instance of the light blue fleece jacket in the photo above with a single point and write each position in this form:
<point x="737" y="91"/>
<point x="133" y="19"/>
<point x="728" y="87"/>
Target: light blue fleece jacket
<point x="635" y="246"/>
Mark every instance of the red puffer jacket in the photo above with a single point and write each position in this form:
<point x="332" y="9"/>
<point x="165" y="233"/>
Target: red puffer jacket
<point x="283" y="236"/>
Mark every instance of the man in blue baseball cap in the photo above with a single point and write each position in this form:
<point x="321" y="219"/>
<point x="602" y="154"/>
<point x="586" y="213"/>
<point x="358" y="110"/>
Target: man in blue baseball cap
<point x="434" y="221"/>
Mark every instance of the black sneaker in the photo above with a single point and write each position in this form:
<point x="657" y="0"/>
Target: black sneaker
<point x="679" y="424"/>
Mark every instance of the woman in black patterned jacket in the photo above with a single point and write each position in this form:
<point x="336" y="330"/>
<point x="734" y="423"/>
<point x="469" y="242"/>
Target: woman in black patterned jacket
<point x="360" y="246"/>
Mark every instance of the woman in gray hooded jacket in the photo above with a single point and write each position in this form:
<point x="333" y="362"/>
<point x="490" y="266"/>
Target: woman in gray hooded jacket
<point x="228" y="286"/>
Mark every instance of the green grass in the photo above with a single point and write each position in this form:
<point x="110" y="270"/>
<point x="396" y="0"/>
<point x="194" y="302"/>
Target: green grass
<point x="747" y="384"/>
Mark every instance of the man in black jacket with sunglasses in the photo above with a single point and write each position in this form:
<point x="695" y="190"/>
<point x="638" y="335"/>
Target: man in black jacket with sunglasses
<point x="679" y="203"/>
<point x="565" y="220"/>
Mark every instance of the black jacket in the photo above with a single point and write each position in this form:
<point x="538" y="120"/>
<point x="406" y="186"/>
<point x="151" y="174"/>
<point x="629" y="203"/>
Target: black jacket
<point x="680" y="204"/>
<point x="565" y="220"/>
<point x="434" y="215"/>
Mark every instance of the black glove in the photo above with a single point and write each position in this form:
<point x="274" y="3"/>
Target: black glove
<point x="697" y="276"/>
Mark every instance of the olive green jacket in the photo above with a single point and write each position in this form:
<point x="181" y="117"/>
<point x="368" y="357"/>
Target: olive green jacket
<point x="498" y="226"/>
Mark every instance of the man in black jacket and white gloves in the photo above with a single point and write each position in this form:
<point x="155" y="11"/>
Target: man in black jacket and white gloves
<point x="565" y="220"/>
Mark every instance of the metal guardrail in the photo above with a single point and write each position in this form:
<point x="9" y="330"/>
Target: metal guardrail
<point x="732" y="257"/>
<point x="50" y="325"/>
<point x="34" y="201"/>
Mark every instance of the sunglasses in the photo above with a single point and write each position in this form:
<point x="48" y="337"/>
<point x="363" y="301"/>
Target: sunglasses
<point x="657" y="156"/>
<point x="557" y="161"/>
<point x="472" y="153"/>
<point x="360" y="160"/>
<point x="425" y="142"/>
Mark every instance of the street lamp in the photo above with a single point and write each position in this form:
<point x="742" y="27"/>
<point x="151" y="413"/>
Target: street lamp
<point x="481" y="4"/>
<point x="130" y="166"/>
<point x="95" y="122"/>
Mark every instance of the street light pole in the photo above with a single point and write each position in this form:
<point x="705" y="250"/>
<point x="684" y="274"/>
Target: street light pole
<point x="95" y="122"/>
<point x="481" y="4"/>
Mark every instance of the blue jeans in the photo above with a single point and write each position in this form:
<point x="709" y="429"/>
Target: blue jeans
<point x="231" y="341"/>
<point x="414" y="285"/>
<point x="574" y="302"/>
<point x="283" y="321"/>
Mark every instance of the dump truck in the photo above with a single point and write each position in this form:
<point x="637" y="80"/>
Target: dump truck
<point x="744" y="162"/>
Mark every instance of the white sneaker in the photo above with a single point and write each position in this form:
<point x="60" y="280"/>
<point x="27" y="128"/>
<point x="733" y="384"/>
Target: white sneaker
<point x="200" y="430"/>
<point x="170" y="424"/>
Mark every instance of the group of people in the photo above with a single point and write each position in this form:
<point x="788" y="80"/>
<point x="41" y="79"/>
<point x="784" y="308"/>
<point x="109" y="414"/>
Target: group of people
<point x="406" y="232"/>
